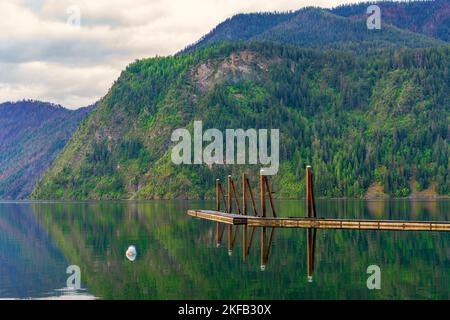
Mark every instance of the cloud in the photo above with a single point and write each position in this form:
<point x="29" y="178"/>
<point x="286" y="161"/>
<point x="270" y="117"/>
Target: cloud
<point x="43" y="55"/>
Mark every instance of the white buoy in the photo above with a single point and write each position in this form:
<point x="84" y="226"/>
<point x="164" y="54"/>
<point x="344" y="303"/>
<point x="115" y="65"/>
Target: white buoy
<point x="131" y="253"/>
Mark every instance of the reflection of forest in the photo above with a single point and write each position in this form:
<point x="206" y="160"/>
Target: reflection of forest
<point x="29" y="263"/>
<point x="177" y="256"/>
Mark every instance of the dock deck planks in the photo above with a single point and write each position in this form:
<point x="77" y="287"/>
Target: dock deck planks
<point x="319" y="223"/>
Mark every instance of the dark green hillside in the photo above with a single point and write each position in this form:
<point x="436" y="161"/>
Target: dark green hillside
<point x="359" y="119"/>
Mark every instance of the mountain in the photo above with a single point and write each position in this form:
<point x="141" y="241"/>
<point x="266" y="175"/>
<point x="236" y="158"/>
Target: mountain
<point x="431" y="18"/>
<point x="31" y="136"/>
<point x="378" y="118"/>
<point x="411" y="24"/>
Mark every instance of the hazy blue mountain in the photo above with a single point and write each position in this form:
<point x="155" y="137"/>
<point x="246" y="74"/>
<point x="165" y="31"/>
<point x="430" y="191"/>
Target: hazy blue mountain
<point x="413" y="25"/>
<point x="431" y="18"/>
<point x="32" y="133"/>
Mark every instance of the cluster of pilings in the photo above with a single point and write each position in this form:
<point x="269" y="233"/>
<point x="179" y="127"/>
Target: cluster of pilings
<point x="232" y="196"/>
<point x="242" y="208"/>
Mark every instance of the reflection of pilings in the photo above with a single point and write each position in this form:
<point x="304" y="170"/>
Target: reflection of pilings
<point x="231" y="191"/>
<point x="219" y="195"/>
<point x="238" y="207"/>
<point x="263" y="249"/>
<point x="269" y="247"/>
<point x="310" y="213"/>
<point x="266" y="248"/>
<point x="311" y="250"/>
<point x="218" y="240"/>
<point x="263" y="214"/>
<point x="265" y="187"/>
<point x="255" y="213"/>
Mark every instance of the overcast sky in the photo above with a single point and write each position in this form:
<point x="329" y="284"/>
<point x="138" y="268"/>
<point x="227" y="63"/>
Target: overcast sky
<point x="45" y="55"/>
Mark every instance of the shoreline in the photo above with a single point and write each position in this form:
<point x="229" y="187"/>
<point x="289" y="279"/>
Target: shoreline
<point x="412" y="199"/>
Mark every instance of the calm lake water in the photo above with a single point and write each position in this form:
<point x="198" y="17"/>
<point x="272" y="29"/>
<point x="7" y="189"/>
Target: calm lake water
<point x="177" y="257"/>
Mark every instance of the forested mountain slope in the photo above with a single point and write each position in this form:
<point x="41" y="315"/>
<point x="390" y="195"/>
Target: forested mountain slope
<point x="359" y="118"/>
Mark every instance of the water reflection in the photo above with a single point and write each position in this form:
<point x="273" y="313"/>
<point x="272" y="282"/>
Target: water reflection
<point x="179" y="259"/>
<point x="31" y="265"/>
<point x="397" y="209"/>
<point x="266" y="243"/>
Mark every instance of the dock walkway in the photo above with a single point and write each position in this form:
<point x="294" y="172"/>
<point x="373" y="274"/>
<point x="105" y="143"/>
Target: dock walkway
<point x="319" y="223"/>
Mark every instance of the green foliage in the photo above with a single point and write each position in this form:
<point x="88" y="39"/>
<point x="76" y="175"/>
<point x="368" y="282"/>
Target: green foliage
<point x="356" y="118"/>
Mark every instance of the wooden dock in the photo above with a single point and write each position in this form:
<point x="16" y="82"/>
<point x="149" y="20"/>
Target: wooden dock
<point x="319" y="223"/>
<point x="231" y="213"/>
<point x="311" y="221"/>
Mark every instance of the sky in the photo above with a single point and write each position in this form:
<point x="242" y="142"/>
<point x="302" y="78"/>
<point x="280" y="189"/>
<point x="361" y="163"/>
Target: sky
<point x="70" y="52"/>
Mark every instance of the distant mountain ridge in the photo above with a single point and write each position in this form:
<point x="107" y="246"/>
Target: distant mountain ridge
<point x="31" y="136"/>
<point x="431" y="18"/>
<point x="360" y="117"/>
<point x="357" y="119"/>
<point x="410" y="24"/>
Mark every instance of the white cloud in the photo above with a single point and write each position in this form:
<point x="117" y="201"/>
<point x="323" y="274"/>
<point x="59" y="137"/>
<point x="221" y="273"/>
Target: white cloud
<point x="43" y="57"/>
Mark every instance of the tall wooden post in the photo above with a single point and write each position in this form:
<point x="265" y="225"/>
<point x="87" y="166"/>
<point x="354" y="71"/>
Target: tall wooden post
<point x="217" y="194"/>
<point x="310" y="199"/>
<point x="308" y="192"/>
<point x="244" y="195"/>
<point x="263" y="193"/>
<point x="230" y="203"/>
<point x="266" y="180"/>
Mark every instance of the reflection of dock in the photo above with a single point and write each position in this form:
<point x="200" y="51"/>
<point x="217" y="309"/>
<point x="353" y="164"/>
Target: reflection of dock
<point x="318" y="223"/>
<point x="234" y="218"/>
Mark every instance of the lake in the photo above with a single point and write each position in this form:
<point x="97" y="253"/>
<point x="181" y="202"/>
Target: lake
<point x="177" y="256"/>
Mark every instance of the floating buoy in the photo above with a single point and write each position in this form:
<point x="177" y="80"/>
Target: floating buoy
<point x="131" y="253"/>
